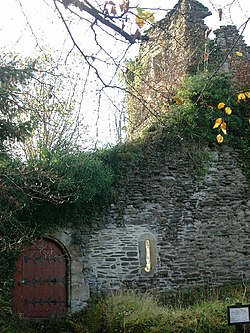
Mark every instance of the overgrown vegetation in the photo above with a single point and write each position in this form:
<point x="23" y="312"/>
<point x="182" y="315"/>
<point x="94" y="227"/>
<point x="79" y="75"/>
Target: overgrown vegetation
<point x="203" y="100"/>
<point x="193" y="311"/>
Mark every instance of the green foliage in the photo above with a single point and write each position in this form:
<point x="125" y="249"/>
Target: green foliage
<point x="86" y="179"/>
<point x="193" y="115"/>
<point x="194" y="118"/>
<point x="13" y="77"/>
<point x="134" y="72"/>
<point x="44" y="192"/>
<point x="122" y="158"/>
<point x="4" y="308"/>
<point x="203" y="89"/>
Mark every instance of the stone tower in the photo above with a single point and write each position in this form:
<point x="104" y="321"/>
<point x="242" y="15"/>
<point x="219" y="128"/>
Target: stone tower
<point x="175" y="48"/>
<point x="227" y="44"/>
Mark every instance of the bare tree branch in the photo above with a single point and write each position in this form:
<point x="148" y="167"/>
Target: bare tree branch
<point x="100" y="17"/>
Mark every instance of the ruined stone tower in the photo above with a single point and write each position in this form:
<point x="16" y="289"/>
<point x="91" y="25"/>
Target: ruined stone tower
<point x="177" y="46"/>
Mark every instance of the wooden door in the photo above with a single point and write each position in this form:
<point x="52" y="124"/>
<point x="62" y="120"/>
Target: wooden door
<point x="41" y="281"/>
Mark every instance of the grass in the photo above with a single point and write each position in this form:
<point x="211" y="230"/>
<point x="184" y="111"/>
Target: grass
<point x="191" y="311"/>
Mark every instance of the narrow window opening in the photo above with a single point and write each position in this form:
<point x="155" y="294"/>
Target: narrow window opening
<point x="148" y="259"/>
<point x="147" y="254"/>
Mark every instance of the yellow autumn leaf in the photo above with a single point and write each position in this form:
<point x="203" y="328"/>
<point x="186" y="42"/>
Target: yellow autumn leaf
<point x="145" y="15"/>
<point x="249" y="120"/>
<point x="239" y="54"/>
<point x="140" y="22"/>
<point x="223" y="127"/>
<point x="217" y="123"/>
<point x="219" y="138"/>
<point x="221" y="105"/>
<point x="228" y="110"/>
<point x="241" y="97"/>
<point x="178" y="101"/>
<point x="247" y="93"/>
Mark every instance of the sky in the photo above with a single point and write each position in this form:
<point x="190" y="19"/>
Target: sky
<point x="42" y="18"/>
<point x="29" y="27"/>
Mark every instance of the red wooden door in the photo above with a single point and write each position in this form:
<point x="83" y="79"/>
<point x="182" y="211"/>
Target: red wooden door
<point x="41" y="281"/>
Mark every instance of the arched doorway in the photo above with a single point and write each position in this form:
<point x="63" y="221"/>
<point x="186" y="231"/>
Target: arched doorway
<point x="41" y="280"/>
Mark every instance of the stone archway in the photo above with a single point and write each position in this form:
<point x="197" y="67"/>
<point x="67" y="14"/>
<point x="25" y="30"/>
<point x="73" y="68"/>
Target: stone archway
<point x="41" y="280"/>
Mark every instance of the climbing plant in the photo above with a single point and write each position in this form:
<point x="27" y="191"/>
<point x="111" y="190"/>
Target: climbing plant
<point x="242" y="115"/>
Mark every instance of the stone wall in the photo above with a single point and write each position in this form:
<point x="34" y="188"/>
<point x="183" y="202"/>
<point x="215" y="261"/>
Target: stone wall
<point x="200" y="226"/>
<point x="78" y="288"/>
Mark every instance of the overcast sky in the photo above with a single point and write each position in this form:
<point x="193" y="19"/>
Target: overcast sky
<point x="44" y="22"/>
